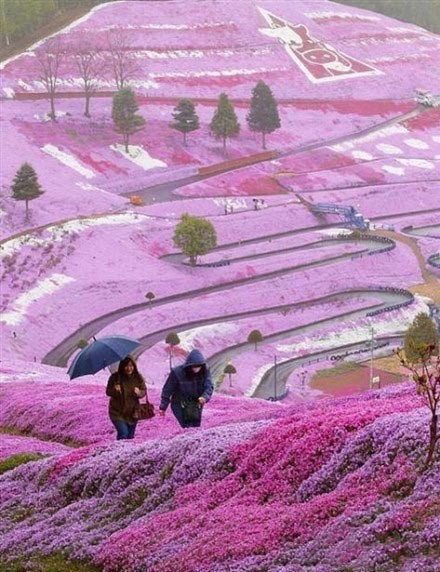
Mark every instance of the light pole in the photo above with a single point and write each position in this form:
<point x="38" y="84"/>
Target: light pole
<point x="371" y="356"/>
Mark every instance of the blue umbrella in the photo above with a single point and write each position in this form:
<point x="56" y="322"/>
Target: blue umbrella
<point x="100" y="354"/>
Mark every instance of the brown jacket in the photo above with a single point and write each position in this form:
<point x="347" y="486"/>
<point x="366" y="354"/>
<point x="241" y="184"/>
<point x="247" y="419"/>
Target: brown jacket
<point x="122" y="404"/>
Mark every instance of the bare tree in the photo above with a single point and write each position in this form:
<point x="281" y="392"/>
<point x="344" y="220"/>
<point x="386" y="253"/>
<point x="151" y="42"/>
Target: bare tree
<point x="121" y="57"/>
<point x="90" y="65"/>
<point x="50" y="57"/>
<point x="426" y="375"/>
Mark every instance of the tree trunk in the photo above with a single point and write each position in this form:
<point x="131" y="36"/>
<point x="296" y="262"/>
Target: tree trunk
<point x="432" y="441"/>
<point x="27" y="211"/>
<point x="52" y="106"/>
<point x="192" y="260"/>
<point x="224" y="143"/>
<point x="230" y="380"/>
<point x="87" y="109"/>
<point x="264" y="140"/>
<point x="171" y="358"/>
<point x="184" y="138"/>
<point x="126" y="140"/>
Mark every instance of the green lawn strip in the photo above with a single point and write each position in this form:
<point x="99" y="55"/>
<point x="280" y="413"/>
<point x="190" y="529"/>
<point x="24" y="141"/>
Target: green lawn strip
<point x="337" y="370"/>
<point x="52" y="563"/>
<point x="14" y="461"/>
<point x="9" y="430"/>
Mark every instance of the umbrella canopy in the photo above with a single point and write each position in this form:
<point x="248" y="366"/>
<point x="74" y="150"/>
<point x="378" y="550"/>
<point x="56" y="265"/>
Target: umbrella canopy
<point x="100" y="354"/>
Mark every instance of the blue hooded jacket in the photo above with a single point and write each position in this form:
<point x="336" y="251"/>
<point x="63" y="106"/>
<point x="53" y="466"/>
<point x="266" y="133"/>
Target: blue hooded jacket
<point x="180" y="384"/>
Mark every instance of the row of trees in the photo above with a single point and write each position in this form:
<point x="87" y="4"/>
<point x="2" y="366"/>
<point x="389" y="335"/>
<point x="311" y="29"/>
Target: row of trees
<point x="115" y="58"/>
<point x="262" y="118"/>
<point x="94" y="62"/>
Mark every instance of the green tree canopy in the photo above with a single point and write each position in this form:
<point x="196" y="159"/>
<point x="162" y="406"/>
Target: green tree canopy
<point x="150" y="296"/>
<point x="230" y="370"/>
<point x="124" y="114"/>
<point x="421" y="334"/>
<point x="255" y="337"/>
<point x="224" y="124"/>
<point x="25" y="186"/>
<point x="263" y="116"/>
<point x="185" y="118"/>
<point x="172" y="339"/>
<point x="194" y="236"/>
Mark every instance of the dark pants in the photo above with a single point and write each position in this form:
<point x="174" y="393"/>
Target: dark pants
<point x="124" y="430"/>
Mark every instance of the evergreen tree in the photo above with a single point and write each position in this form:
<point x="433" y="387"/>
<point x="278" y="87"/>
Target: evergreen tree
<point x="124" y="114"/>
<point x="224" y="124"/>
<point x="263" y="115"/>
<point x="185" y="118"/>
<point x="195" y="236"/>
<point x="25" y="186"/>
<point x="421" y="333"/>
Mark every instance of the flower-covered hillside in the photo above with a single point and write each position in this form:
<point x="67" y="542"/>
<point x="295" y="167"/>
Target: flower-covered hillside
<point x="198" y="47"/>
<point x="334" y="485"/>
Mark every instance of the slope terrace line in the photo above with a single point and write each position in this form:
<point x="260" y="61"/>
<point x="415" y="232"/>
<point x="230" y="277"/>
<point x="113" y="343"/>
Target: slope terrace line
<point x="59" y="355"/>
<point x="388" y="297"/>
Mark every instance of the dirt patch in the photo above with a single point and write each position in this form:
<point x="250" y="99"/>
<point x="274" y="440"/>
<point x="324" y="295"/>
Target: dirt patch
<point x="354" y="381"/>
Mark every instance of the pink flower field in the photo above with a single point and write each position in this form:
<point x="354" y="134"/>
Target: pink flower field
<point x="281" y="476"/>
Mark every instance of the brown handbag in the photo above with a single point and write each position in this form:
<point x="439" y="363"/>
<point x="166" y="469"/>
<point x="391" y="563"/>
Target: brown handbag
<point x="144" y="410"/>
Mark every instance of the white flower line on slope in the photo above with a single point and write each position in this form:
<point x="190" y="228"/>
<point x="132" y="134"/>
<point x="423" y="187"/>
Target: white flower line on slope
<point x="44" y="288"/>
<point x="138" y="155"/>
<point x="56" y="232"/>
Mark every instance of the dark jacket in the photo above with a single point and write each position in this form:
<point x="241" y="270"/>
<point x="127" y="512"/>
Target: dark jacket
<point x="121" y="406"/>
<point x="181" y="384"/>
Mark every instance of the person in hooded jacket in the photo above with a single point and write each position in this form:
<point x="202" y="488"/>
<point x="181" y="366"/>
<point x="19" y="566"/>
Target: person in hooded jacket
<point x="188" y="388"/>
<point x="125" y="388"/>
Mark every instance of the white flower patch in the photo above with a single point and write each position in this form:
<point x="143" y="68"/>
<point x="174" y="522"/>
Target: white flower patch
<point x="344" y="15"/>
<point x="89" y="187"/>
<point x="43" y="288"/>
<point x="138" y="155"/>
<point x="225" y="73"/>
<point x="68" y="160"/>
<point x="335" y="231"/>
<point x="24" y="85"/>
<point x="383" y="325"/>
<point x="388" y="149"/>
<point x="436" y="138"/>
<point x="169" y="26"/>
<point x="421" y="163"/>
<point x="416" y="144"/>
<point x="211" y="331"/>
<point x="58" y="232"/>
<point x="379" y="134"/>
<point x="9" y="92"/>
<point x="47" y="117"/>
<point x="235" y="203"/>
<point x="363" y="155"/>
<point x="393" y="170"/>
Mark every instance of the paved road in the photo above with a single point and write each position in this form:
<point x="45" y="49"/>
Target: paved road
<point x="60" y="354"/>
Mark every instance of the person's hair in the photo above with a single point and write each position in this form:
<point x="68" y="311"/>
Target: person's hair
<point x="124" y="362"/>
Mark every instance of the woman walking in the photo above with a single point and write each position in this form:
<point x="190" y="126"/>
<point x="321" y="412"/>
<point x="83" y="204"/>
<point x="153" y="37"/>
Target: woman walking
<point x="188" y="387"/>
<point x="125" y="388"/>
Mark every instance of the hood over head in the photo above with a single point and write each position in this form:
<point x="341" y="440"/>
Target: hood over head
<point x="195" y="357"/>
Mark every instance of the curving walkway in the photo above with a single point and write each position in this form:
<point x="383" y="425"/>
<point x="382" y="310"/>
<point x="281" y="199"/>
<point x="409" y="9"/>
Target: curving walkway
<point x="59" y="355"/>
